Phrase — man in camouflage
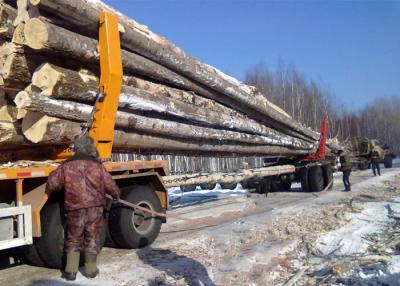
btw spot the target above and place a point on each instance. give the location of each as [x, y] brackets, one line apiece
[374, 158]
[345, 167]
[85, 182]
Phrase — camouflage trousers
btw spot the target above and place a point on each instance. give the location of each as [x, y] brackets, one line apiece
[84, 230]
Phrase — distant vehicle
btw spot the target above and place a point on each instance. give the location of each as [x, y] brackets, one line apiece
[361, 148]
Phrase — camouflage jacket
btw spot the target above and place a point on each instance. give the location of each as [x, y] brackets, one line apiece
[345, 163]
[85, 182]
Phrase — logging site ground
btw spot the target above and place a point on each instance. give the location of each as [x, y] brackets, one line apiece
[288, 238]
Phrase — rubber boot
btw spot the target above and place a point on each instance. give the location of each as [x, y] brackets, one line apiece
[91, 270]
[72, 265]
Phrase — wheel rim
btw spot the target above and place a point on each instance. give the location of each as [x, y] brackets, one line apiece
[143, 221]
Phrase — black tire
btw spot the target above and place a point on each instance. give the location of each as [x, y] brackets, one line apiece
[304, 179]
[363, 166]
[188, 188]
[210, 186]
[125, 231]
[388, 162]
[328, 176]
[248, 184]
[229, 186]
[31, 255]
[316, 179]
[264, 186]
[282, 183]
[50, 246]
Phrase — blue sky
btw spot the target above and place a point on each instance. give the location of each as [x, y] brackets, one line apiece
[352, 46]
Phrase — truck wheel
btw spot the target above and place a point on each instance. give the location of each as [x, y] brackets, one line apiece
[229, 186]
[264, 186]
[210, 186]
[248, 184]
[283, 183]
[286, 184]
[304, 179]
[188, 188]
[31, 254]
[328, 176]
[131, 229]
[50, 246]
[316, 179]
[388, 162]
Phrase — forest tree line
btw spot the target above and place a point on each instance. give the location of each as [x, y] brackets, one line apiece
[308, 102]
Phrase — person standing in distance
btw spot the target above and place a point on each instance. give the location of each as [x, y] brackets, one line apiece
[345, 167]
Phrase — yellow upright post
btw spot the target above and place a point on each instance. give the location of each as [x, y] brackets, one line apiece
[102, 129]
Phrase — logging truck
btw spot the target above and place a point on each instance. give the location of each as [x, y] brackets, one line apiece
[361, 148]
[32, 218]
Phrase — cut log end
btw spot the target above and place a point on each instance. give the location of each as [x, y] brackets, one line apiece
[22, 99]
[39, 128]
[34, 2]
[45, 79]
[36, 34]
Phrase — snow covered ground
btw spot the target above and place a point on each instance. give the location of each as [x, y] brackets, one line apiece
[269, 241]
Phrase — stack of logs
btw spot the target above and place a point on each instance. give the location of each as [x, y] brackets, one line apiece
[170, 102]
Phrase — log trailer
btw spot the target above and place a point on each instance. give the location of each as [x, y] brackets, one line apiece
[31, 218]
[314, 172]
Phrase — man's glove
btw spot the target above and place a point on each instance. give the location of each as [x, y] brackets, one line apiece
[115, 199]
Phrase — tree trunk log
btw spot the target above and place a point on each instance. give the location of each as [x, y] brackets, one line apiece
[58, 82]
[81, 112]
[49, 130]
[45, 36]
[40, 128]
[7, 17]
[8, 113]
[234, 177]
[85, 14]
[9, 134]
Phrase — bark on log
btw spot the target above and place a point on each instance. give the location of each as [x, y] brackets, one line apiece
[40, 128]
[7, 17]
[47, 37]
[57, 131]
[85, 14]
[81, 112]
[234, 177]
[58, 82]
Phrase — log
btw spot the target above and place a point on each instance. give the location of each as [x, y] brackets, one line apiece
[7, 17]
[40, 128]
[54, 131]
[9, 134]
[25, 11]
[58, 82]
[85, 14]
[81, 112]
[47, 37]
[234, 177]
[8, 113]
[18, 36]
[17, 68]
